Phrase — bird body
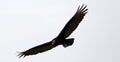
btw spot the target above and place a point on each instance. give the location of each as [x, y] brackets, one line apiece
[63, 41]
[61, 38]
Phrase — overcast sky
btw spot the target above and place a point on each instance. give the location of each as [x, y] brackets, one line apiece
[27, 23]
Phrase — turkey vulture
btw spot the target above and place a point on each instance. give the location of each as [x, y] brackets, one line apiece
[61, 38]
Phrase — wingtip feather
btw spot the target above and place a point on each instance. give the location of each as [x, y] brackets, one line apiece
[21, 54]
[82, 9]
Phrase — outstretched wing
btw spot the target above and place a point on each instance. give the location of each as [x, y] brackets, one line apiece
[38, 49]
[74, 22]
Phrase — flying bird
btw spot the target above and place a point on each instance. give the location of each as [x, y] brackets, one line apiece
[61, 38]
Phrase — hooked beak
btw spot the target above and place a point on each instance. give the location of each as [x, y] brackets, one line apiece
[53, 42]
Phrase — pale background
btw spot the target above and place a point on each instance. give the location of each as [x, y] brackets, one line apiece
[27, 23]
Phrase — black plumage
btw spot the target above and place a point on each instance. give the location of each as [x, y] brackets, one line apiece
[61, 38]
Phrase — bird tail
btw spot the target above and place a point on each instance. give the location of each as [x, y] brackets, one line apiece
[68, 42]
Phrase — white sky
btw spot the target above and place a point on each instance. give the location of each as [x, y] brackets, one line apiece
[27, 23]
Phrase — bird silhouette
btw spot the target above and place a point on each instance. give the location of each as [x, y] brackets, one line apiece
[61, 38]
